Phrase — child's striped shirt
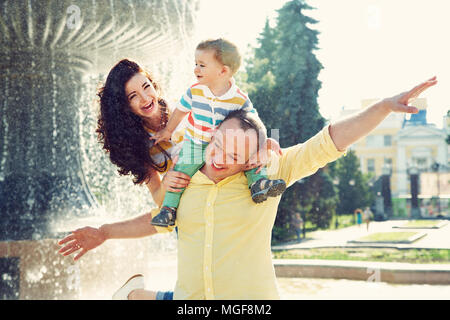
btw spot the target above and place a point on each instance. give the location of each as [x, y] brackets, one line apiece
[208, 111]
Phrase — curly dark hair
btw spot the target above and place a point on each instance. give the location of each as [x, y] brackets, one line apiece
[122, 132]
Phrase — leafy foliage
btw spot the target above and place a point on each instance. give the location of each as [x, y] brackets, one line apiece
[282, 82]
[353, 185]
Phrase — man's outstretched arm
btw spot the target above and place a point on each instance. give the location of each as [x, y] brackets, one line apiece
[347, 131]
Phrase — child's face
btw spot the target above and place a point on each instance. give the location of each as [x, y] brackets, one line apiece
[207, 69]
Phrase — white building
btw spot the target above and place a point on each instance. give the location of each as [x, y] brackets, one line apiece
[402, 142]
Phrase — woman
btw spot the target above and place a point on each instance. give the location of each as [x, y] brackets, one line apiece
[358, 213]
[132, 110]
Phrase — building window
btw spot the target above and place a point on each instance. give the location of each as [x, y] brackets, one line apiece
[371, 165]
[371, 141]
[420, 163]
[388, 162]
[387, 140]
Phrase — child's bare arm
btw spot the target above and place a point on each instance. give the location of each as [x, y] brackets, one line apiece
[166, 133]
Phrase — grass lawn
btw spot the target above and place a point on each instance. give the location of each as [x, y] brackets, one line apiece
[422, 223]
[344, 221]
[388, 236]
[368, 254]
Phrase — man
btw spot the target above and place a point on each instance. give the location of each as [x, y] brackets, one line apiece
[367, 216]
[297, 222]
[223, 237]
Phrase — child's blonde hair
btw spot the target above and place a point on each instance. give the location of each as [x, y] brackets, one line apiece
[225, 52]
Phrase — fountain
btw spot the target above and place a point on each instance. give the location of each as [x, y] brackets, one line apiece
[49, 49]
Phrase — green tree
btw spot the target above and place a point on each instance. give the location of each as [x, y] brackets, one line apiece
[268, 46]
[448, 136]
[296, 69]
[353, 185]
[282, 82]
[324, 200]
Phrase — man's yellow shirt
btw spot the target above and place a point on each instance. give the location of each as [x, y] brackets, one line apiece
[224, 238]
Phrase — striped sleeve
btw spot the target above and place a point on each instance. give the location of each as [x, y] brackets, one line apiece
[248, 106]
[185, 103]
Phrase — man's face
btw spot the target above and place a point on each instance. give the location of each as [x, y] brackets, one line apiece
[229, 150]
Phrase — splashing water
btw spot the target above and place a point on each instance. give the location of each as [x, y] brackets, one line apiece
[54, 175]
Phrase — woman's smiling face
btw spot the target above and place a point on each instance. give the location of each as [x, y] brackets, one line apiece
[142, 96]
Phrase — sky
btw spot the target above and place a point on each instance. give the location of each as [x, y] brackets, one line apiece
[368, 48]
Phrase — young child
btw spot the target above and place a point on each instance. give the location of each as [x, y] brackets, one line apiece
[208, 102]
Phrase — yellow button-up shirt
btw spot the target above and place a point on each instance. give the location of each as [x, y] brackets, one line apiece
[224, 238]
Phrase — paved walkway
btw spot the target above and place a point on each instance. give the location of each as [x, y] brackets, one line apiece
[392, 272]
[344, 289]
[435, 238]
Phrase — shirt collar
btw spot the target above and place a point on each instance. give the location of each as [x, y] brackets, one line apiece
[200, 178]
[227, 95]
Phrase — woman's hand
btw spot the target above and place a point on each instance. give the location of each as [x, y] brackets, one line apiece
[174, 181]
[84, 239]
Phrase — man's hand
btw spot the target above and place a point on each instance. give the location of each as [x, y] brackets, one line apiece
[83, 239]
[399, 103]
[349, 130]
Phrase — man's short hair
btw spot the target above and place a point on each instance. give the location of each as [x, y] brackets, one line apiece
[225, 52]
[249, 120]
